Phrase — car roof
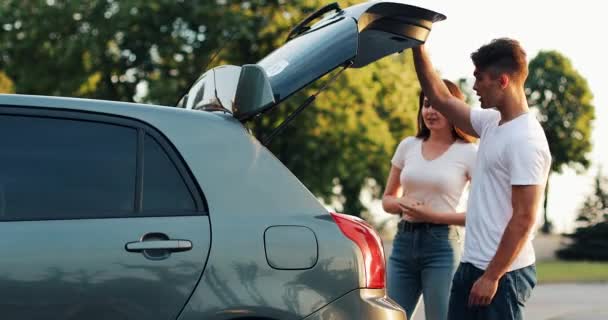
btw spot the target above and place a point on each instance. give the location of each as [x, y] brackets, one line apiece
[155, 115]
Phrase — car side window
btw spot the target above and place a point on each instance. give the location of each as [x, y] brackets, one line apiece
[164, 190]
[55, 168]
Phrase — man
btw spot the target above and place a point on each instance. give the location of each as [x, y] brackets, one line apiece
[497, 272]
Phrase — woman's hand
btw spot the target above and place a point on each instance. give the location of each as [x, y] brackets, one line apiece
[406, 200]
[408, 218]
[409, 201]
[416, 211]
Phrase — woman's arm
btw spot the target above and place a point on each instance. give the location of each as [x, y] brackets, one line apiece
[423, 213]
[452, 218]
[392, 192]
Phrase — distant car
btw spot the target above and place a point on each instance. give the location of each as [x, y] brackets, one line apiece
[114, 210]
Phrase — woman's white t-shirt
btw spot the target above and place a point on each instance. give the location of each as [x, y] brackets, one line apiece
[440, 182]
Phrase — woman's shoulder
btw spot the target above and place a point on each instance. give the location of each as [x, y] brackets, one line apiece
[467, 147]
[406, 144]
[410, 140]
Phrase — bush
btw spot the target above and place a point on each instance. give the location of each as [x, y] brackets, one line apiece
[588, 243]
[590, 240]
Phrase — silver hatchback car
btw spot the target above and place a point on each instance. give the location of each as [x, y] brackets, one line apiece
[114, 210]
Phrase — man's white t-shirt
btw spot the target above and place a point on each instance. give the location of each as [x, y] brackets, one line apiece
[438, 183]
[514, 153]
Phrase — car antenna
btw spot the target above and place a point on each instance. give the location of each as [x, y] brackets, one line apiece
[306, 103]
[215, 54]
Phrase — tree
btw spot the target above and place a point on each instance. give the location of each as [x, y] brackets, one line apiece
[152, 51]
[595, 208]
[466, 87]
[563, 100]
[590, 240]
[107, 48]
[343, 142]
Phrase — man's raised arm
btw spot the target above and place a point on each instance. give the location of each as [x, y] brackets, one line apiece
[438, 94]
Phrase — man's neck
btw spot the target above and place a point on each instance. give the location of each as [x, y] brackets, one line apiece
[515, 104]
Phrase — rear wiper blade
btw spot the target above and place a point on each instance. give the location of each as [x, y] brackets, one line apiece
[303, 26]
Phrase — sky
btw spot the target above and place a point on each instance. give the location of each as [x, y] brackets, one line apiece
[574, 28]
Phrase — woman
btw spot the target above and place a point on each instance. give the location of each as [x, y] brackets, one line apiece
[428, 175]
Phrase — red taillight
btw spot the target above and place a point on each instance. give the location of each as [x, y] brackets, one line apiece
[368, 241]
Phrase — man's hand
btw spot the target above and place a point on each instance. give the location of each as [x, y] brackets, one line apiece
[483, 291]
[525, 200]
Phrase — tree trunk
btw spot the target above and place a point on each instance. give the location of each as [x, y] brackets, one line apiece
[352, 204]
[547, 225]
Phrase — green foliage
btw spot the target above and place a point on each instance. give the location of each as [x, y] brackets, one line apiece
[588, 243]
[349, 135]
[590, 240]
[152, 51]
[466, 86]
[344, 141]
[6, 84]
[563, 100]
[595, 208]
[106, 48]
[561, 271]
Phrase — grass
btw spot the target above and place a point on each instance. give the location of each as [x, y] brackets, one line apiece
[566, 271]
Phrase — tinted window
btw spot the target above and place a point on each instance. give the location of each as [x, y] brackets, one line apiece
[58, 168]
[165, 191]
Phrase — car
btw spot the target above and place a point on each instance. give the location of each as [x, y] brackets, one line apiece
[112, 210]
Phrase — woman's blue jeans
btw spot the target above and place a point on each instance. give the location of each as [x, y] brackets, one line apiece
[423, 262]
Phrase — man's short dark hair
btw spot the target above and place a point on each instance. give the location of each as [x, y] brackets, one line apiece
[502, 55]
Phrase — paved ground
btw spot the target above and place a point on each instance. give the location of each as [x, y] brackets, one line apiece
[563, 302]
[555, 301]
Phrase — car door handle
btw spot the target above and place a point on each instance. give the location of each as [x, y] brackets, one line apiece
[170, 245]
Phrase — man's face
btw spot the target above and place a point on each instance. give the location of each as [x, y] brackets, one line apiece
[487, 88]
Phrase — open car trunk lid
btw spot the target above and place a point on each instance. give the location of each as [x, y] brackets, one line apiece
[353, 37]
[360, 34]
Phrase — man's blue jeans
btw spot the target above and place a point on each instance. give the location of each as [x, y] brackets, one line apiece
[423, 262]
[514, 289]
